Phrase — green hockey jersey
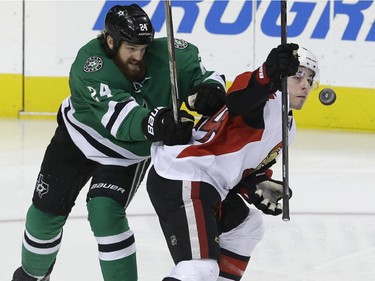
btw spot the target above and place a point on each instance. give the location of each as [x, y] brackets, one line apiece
[104, 112]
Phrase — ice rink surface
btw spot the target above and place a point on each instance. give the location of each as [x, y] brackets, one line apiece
[330, 237]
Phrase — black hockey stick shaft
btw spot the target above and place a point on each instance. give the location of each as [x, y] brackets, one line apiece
[285, 123]
[172, 60]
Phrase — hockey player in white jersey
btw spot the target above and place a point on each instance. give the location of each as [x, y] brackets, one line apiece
[196, 189]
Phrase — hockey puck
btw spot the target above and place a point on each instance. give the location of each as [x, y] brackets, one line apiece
[327, 96]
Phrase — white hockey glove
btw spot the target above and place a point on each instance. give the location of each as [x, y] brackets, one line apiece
[262, 191]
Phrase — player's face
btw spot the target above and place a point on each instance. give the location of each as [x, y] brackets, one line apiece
[129, 58]
[132, 56]
[299, 87]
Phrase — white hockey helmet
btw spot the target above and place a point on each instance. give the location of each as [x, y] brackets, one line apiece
[308, 59]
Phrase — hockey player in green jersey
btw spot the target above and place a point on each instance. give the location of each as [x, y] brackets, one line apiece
[120, 101]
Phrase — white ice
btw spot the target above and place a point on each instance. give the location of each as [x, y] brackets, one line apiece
[330, 237]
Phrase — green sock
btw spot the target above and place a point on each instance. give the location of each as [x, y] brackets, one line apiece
[42, 241]
[115, 240]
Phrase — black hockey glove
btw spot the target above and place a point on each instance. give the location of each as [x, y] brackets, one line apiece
[281, 61]
[206, 99]
[159, 125]
[263, 192]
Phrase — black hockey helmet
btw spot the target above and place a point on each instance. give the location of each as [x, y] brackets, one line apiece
[130, 24]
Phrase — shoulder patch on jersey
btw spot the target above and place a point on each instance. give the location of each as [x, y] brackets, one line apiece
[93, 64]
[180, 44]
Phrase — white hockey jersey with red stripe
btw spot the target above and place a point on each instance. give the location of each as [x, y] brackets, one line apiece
[224, 147]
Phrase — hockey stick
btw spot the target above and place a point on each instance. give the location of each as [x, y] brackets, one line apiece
[285, 125]
[172, 61]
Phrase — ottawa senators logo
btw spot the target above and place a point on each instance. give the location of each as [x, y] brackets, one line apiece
[271, 156]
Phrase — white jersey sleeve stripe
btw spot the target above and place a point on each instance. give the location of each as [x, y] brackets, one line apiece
[192, 223]
[121, 116]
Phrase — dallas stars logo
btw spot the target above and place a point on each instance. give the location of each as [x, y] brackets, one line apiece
[180, 44]
[121, 13]
[93, 64]
[41, 187]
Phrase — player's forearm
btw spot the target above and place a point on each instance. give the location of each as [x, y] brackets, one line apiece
[246, 96]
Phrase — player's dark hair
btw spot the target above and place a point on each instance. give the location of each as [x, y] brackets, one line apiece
[102, 37]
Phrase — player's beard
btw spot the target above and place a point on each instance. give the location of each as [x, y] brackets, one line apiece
[132, 74]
